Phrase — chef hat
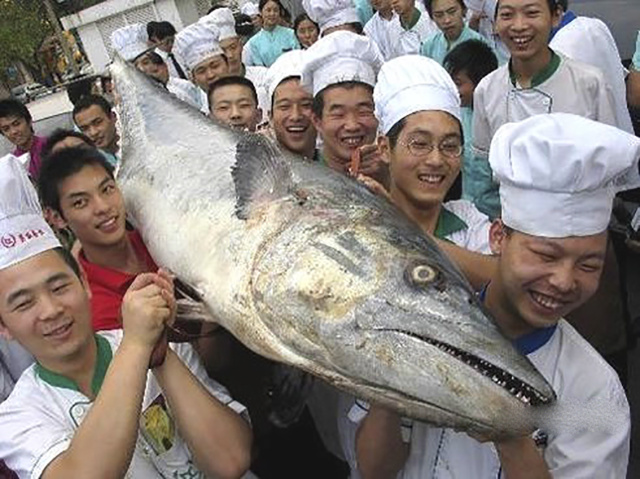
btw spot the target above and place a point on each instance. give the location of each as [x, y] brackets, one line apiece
[131, 41]
[286, 66]
[222, 20]
[331, 13]
[413, 83]
[23, 231]
[559, 173]
[197, 43]
[250, 9]
[340, 57]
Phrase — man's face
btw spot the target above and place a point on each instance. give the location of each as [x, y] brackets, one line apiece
[210, 70]
[232, 48]
[465, 88]
[381, 5]
[421, 178]
[235, 106]
[347, 121]
[99, 126]
[524, 27]
[17, 130]
[166, 44]
[45, 307]
[291, 117]
[92, 206]
[158, 71]
[545, 279]
[403, 7]
[449, 16]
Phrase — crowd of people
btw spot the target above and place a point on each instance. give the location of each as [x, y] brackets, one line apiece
[501, 128]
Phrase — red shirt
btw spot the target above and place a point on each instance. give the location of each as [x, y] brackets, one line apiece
[108, 285]
[36, 161]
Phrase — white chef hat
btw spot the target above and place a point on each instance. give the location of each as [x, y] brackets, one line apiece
[250, 9]
[23, 231]
[221, 19]
[331, 13]
[197, 43]
[130, 41]
[340, 57]
[559, 173]
[287, 65]
[413, 83]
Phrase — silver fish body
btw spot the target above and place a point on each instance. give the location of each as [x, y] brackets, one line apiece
[307, 267]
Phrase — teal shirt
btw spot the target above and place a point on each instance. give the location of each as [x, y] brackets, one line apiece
[365, 12]
[266, 47]
[436, 46]
[636, 56]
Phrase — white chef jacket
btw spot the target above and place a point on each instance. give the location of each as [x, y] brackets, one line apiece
[410, 41]
[258, 76]
[384, 33]
[172, 68]
[589, 40]
[185, 91]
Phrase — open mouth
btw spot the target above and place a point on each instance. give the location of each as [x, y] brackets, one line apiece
[108, 226]
[431, 179]
[353, 141]
[58, 331]
[521, 42]
[517, 388]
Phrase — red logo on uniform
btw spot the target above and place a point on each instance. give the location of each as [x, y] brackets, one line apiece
[9, 240]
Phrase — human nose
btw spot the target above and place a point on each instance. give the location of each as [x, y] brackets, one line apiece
[50, 307]
[563, 278]
[235, 111]
[519, 22]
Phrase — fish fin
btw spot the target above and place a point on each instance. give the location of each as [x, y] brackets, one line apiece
[260, 174]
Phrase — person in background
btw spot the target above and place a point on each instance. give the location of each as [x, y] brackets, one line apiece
[415, 27]
[291, 106]
[449, 16]
[382, 28]
[94, 116]
[264, 48]
[198, 47]
[16, 125]
[251, 10]
[307, 31]
[162, 35]
[468, 63]
[233, 101]
[482, 19]
[333, 15]
[61, 139]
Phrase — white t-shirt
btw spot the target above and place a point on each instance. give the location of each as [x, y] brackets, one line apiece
[14, 359]
[580, 377]
[40, 417]
[384, 33]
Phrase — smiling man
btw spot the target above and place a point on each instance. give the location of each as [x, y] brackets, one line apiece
[94, 117]
[16, 126]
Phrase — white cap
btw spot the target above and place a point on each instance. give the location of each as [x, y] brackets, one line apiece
[131, 41]
[250, 9]
[413, 83]
[23, 231]
[340, 57]
[196, 43]
[331, 13]
[286, 66]
[559, 173]
[222, 20]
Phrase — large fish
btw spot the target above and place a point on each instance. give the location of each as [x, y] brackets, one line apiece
[307, 267]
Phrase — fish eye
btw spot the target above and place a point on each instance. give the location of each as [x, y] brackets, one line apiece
[423, 274]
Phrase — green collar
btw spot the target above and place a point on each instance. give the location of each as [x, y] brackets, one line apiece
[414, 19]
[543, 75]
[102, 364]
[448, 223]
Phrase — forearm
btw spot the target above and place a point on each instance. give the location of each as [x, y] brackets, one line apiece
[104, 443]
[633, 89]
[218, 438]
[520, 459]
[380, 451]
[478, 268]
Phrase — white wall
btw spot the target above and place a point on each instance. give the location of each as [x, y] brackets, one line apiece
[94, 46]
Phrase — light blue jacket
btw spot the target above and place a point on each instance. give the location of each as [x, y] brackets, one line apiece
[266, 46]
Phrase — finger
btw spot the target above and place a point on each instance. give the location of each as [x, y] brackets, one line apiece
[141, 281]
[368, 149]
[163, 283]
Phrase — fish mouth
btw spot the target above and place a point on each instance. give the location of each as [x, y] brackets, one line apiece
[517, 388]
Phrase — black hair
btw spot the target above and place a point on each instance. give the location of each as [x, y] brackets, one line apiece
[12, 107]
[473, 57]
[244, 25]
[564, 4]
[318, 100]
[301, 18]
[155, 58]
[214, 8]
[88, 101]
[234, 80]
[60, 134]
[552, 4]
[160, 30]
[428, 4]
[264, 2]
[61, 165]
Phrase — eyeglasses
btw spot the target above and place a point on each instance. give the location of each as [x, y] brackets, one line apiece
[421, 148]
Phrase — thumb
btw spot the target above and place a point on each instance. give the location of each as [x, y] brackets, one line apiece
[141, 281]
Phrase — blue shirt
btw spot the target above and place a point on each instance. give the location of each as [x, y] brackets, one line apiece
[266, 46]
[437, 46]
[636, 55]
[365, 12]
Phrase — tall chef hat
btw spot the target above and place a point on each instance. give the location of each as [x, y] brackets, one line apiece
[250, 9]
[23, 231]
[331, 13]
[340, 57]
[286, 66]
[131, 41]
[559, 173]
[413, 83]
[197, 43]
[222, 20]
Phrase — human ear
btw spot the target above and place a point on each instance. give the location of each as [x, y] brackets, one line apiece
[497, 237]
